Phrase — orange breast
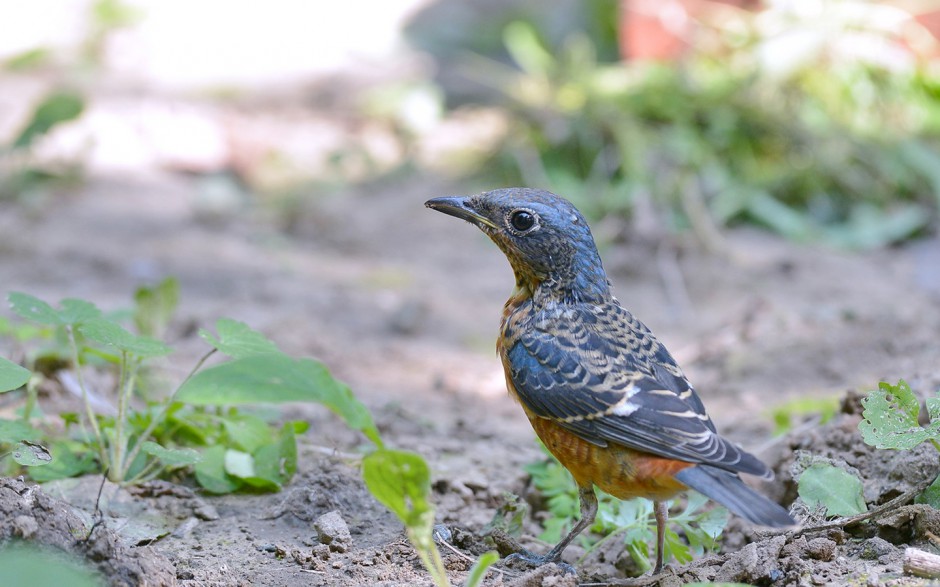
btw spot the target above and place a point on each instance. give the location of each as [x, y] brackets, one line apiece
[622, 472]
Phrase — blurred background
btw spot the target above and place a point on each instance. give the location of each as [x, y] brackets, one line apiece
[816, 119]
[753, 169]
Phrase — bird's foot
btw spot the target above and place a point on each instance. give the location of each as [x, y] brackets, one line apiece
[537, 560]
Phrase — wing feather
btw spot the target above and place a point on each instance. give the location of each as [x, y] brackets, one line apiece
[601, 374]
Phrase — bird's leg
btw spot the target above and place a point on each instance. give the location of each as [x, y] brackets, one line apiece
[588, 513]
[661, 511]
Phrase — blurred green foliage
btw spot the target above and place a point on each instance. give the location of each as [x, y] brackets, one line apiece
[770, 121]
[21, 172]
[200, 426]
[54, 109]
[820, 409]
[24, 565]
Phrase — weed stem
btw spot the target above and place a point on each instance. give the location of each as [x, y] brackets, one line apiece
[166, 408]
[89, 412]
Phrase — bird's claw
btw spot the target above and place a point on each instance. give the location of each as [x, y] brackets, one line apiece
[536, 560]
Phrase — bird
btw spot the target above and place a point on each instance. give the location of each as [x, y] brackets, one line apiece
[602, 393]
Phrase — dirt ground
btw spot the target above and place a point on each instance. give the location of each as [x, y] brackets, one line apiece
[403, 304]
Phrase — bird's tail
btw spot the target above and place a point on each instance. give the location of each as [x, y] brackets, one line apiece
[727, 489]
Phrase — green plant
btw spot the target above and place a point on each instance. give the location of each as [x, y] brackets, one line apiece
[631, 520]
[841, 150]
[197, 427]
[890, 420]
[235, 448]
[840, 492]
[823, 407]
[401, 481]
[20, 173]
[891, 417]
[23, 565]
[12, 376]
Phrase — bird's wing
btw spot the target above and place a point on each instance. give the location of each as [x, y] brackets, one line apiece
[602, 374]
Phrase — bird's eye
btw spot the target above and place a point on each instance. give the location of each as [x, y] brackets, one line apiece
[522, 220]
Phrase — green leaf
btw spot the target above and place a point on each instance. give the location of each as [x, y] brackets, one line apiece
[24, 565]
[239, 464]
[712, 523]
[56, 108]
[30, 454]
[675, 547]
[277, 378]
[237, 340]
[33, 309]
[287, 453]
[890, 418]
[155, 307]
[931, 495]
[27, 60]
[210, 472]
[824, 407]
[171, 457]
[523, 44]
[299, 426]
[247, 432]
[77, 311]
[401, 482]
[479, 568]
[267, 468]
[839, 491]
[24, 332]
[256, 472]
[510, 516]
[17, 430]
[65, 463]
[12, 376]
[870, 226]
[106, 332]
[778, 216]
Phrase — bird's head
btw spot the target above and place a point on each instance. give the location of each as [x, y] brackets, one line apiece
[546, 239]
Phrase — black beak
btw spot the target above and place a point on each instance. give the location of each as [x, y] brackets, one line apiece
[458, 207]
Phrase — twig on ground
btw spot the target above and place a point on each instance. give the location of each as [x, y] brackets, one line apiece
[96, 516]
[921, 564]
[473, 560]
[875, 513]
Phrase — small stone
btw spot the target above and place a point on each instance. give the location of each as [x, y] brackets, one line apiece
[321, 551]
[206, 512]
[185, 528]
[25, 526]
[756, 562]
[821, 549]
[332, 530]
[875, 548]
[550, 575]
